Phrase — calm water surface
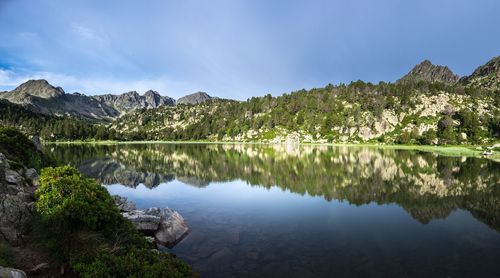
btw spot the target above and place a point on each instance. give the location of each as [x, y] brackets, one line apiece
[261, 211]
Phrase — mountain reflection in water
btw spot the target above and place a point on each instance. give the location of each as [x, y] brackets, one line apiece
[426, 185]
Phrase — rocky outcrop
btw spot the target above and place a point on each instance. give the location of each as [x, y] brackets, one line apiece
[195, 98]
[167, 225]
[17, 202]
[426, 71]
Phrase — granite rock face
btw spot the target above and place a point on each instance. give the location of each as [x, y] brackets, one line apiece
[17, 201]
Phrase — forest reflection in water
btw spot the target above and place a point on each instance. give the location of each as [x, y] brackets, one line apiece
[428, 186]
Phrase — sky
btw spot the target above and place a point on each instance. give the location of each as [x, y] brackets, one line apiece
[237, 49]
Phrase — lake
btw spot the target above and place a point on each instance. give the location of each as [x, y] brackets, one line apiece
[312, 211]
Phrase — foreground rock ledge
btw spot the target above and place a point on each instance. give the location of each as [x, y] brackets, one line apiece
[167, 226]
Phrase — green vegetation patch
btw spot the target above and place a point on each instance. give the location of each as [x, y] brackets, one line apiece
[18, 148]
[82, 226]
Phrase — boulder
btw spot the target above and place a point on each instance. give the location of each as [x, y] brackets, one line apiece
[6, 272]
[13, 177]
[167, 226]
[462, 136]
[172, 229]
[143, 222]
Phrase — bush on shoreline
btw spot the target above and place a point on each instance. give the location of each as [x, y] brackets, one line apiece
[81, 224]
[16, 146]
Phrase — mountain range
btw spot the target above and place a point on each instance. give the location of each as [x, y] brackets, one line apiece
[40, 96]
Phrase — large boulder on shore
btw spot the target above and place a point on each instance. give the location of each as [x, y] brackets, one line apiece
[167, 225]
[172, 229]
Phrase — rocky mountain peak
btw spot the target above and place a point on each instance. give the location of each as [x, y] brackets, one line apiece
[426, 71]
[492, 67]
[151, 93]
[38, 88]
[486, 76]
[195, 98]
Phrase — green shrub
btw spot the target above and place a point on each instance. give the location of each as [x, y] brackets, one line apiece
[428, 137]
[135, 262]
[82, 226]
[404, 138]
[18, 148]
[71, 202]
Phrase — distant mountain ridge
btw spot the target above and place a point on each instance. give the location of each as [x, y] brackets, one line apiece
[42, 97]
[129, 101]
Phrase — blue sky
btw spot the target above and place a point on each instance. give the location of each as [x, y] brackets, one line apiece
[237, 49]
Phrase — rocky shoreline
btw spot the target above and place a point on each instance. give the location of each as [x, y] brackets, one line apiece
[163, 227]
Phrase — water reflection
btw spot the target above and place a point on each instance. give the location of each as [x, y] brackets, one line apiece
[426, 185]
